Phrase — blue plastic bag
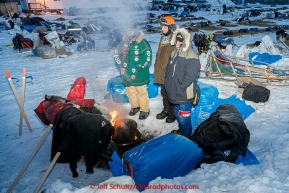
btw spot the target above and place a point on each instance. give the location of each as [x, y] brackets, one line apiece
[209, 102]
[117, 89]
[249, 159]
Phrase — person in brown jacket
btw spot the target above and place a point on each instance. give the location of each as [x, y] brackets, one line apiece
[164, 51]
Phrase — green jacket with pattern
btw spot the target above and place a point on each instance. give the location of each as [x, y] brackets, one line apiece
[133, 58]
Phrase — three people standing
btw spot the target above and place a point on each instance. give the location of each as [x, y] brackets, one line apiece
[177, 68]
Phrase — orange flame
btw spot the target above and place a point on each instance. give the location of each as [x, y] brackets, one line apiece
[113, 115]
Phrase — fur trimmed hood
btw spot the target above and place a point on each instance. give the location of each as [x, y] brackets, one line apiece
[187, 43]
[138, 39]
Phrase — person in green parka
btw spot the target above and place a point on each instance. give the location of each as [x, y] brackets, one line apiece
[133, 56]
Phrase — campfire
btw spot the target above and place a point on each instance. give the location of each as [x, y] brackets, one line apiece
[126, 135]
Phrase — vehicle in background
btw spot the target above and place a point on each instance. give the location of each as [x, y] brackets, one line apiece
[202, 4]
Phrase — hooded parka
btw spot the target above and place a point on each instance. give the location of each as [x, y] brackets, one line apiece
[182, 70]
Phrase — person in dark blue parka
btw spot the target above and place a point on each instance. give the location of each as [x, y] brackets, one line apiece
[181, 79]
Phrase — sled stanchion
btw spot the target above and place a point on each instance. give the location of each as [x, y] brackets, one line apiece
[248, 69]
[233, 70]
[22, 100]
[266, 75]
[17, 98]
[218, 66]
[47, 172]
[29, 159]
[210, 69]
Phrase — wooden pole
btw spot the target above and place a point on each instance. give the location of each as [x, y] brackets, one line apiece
[248, 69]
[214, 58]
[22, 101]
[266, 75]
[29, 159]
[233, 70]
[17, 99]
[210, 70]
[7, 10]
[47, 172]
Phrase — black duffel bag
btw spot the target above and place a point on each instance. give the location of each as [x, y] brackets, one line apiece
[256, 93]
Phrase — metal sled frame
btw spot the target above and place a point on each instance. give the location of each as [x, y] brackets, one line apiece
[230, 68]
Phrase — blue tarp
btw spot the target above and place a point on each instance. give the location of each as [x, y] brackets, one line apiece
[48, 24]
[117, 89]
[29, 28]
[173, 10]
[223, 40]
[167, 156]
[184, 14]
[261, 59]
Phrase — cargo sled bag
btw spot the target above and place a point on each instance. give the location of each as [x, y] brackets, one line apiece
[20, 42]
[77, 90]
[167, 156]
[256, 93]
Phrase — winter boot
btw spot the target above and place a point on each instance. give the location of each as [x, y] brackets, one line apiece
[143, 115]
[133, 111]
[171, 118]
[163, 114]
[89, 170]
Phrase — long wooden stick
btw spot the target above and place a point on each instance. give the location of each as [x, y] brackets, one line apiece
[47, 172]
[22, 101]
[17, 98]
[217, 66]
[29, 159]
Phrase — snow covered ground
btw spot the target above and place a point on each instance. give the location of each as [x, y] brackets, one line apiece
[268, 125]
